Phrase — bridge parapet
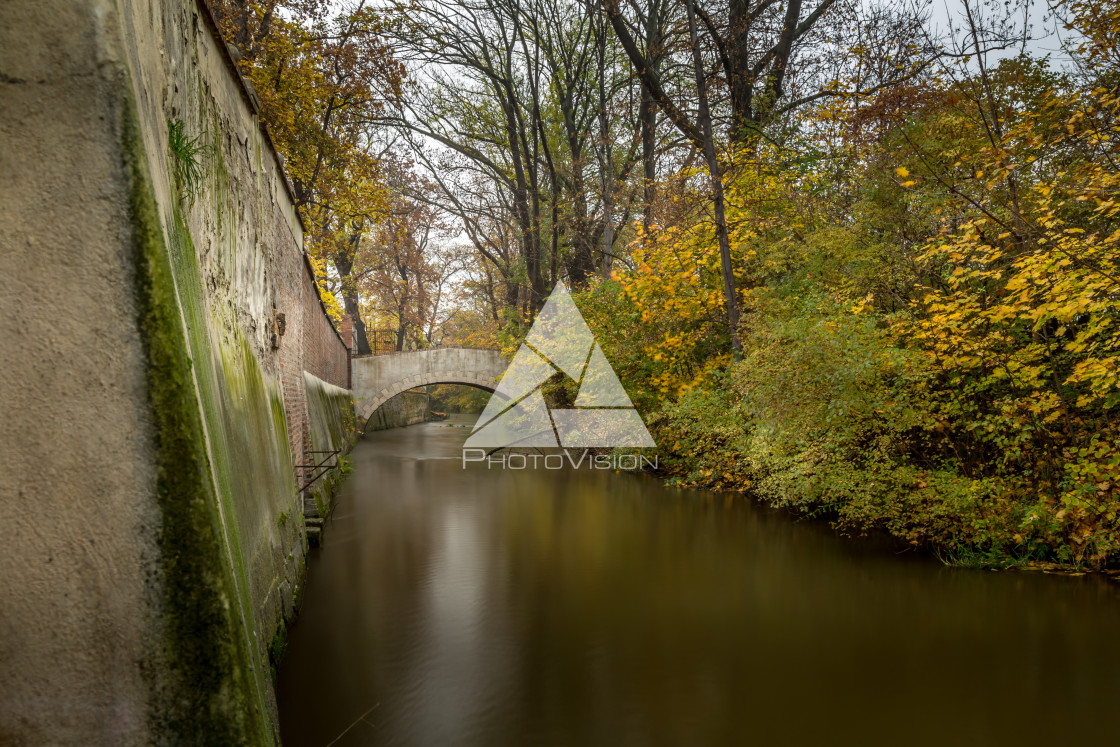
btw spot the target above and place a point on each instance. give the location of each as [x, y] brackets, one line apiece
[377, 378]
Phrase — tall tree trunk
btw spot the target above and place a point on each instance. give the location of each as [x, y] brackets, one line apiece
[553, 180]
[581, 266]
[536, 264]
[739, 77]
[344, 263]
[402, 328]
[554, 255]
[522, 198]
[705, 121]
[606, 164]
[647, 115]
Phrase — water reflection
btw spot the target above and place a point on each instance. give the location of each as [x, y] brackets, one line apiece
[486, 607]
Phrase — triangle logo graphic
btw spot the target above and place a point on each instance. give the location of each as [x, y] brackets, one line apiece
[516, 414]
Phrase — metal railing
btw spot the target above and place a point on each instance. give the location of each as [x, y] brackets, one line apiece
[382, 341]
[317, 470]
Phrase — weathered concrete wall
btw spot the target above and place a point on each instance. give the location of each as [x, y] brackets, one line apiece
[151, 423]
[80, 444]
[406, 408]
[331, 415]
[332, 428]
[377, 378]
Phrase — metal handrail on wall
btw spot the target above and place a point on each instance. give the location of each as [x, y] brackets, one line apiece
[320, 469]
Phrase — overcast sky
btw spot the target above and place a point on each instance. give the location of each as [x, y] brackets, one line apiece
[1047, 35]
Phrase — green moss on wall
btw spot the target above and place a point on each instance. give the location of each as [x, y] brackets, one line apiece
[231, 533]
[201, 680]
[330, 411]
[254, 443]
[248, 446]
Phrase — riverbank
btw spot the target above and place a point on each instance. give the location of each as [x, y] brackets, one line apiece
[711, 438]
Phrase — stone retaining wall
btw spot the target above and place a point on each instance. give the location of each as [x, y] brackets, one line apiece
[153, 415]
[406, 408]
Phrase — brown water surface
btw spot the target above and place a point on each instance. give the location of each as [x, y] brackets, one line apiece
[484, 607]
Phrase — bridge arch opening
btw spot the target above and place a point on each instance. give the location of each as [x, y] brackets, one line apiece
[367, 407]
[415, 404]
[379, 378]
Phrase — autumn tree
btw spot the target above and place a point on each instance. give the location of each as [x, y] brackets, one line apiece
[414, 262]
[756, 49]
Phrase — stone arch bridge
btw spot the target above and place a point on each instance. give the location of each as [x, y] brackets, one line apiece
[377, 378]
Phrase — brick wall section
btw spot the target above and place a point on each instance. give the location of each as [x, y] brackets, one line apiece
[324, 353]
[347, 331]
[310, 343]
[289, 301]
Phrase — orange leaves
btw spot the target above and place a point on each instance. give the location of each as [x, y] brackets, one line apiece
[674, 285]
[1021, 317]
[321, 74]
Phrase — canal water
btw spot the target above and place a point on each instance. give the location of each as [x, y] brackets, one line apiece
[453, 606]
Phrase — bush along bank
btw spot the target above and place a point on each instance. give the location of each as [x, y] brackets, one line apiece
[931, 314]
